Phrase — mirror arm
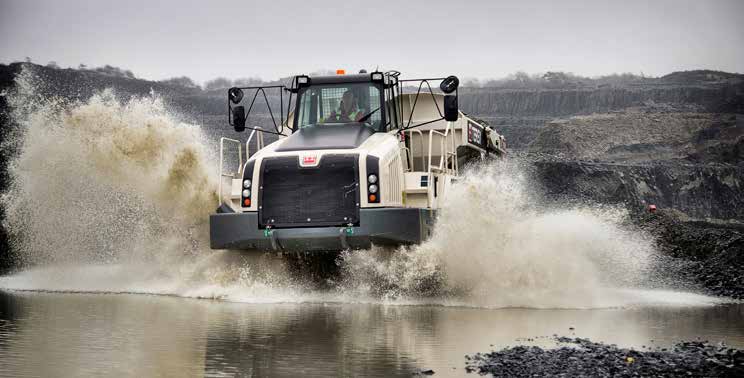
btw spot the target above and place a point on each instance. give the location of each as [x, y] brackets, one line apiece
[421, 124]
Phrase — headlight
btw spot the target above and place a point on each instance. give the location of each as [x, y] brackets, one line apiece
[372, 178]
[246, 184]
[247, 193]
[373, 188]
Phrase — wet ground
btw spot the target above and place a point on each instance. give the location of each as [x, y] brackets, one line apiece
[64, 335]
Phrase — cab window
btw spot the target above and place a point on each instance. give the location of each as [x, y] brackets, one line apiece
[339, 104]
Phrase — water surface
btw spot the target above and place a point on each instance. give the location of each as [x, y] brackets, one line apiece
[65, 335]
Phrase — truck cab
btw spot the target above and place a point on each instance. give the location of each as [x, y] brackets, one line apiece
[357, 162]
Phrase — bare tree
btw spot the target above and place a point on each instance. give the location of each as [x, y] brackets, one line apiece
[218, 83]
[182, 81]
[522, 79]
[115, 71]
[248, 82]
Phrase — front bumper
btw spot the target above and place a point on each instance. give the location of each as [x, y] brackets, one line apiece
[380, 226]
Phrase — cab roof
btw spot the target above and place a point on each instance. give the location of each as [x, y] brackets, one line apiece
[341, 79]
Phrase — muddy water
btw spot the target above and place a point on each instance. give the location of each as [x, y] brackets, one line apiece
[66, 335]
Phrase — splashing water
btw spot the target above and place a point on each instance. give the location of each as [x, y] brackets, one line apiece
[103, 179]
[113, 196]
[495, 245]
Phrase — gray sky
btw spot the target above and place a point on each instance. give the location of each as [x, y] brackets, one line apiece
[483, 39]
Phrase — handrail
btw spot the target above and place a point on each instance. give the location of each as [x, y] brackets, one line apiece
[446, 156]
[440, 166]
[410, 137]
[448, 152]
[453, 152]
[259, 141]
[451, 136]
[231, 174]
[447, 136]
[408, 158]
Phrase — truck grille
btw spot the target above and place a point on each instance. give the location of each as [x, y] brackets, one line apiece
[294, 196]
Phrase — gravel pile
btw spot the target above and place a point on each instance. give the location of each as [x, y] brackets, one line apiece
[710, 255]
[582, 357]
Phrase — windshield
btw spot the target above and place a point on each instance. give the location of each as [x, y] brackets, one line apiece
[340, 103]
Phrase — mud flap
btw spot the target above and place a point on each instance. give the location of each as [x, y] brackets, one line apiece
[275, 245]
[344, 242]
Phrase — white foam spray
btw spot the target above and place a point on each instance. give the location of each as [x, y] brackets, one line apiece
[114, 196]
[497, 245]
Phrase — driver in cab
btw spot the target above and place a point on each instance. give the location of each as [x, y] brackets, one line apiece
[347, 112]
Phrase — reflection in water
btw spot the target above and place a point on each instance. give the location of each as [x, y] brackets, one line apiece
[96, 336]
[141, 335]
[310, 339]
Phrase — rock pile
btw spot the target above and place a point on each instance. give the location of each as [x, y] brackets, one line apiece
[582, 357]
[709, 254]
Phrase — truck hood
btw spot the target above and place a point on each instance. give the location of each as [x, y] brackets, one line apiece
[332, 136]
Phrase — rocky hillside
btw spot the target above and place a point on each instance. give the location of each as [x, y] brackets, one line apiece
[700, 191]
[689, 161]
[520, 113]
[637, 135]
[722, 95]
[74, 84]
[676, 141]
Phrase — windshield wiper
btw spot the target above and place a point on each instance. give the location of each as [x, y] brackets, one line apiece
[366, 116]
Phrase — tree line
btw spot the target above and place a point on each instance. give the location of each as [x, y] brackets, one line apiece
[517, 80]
[557, 80]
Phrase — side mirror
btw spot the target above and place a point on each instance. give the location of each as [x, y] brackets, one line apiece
[451, 112]
[238, 118]
[449, 84]
[235, 94]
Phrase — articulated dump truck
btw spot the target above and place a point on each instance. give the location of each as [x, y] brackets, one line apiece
[359, 160]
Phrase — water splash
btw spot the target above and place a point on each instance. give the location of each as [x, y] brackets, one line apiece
[111, 195]
[496, 245]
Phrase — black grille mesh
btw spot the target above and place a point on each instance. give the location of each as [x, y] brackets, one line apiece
[294, 196]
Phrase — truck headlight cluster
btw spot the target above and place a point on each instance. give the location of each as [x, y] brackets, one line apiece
[245, 195]
[372, 189]
[373, 179]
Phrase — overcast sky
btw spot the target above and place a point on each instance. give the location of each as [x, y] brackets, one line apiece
[274, 38]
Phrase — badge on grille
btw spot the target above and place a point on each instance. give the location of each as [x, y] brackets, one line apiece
[309, 161]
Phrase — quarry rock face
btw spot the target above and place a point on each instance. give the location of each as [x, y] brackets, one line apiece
[693, 162]
[700, 191]
[707, 254]
[642, 135]
[716, 97]
[670, 147]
